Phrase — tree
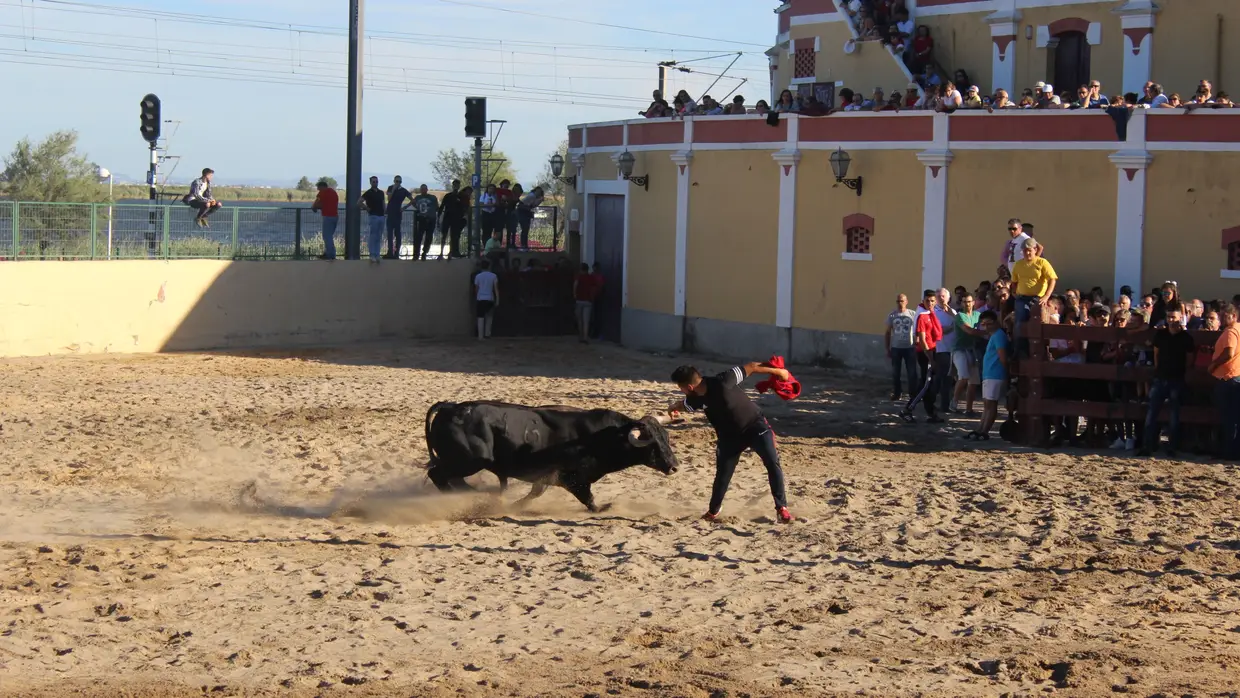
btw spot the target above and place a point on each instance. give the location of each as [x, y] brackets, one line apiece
[459, 164]
[304, 184]
[554, 187]
[53, 170]
[331, 181]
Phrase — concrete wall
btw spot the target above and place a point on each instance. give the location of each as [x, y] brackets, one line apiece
[146, 306]
[733, 236]
[1195, 23]
[962, 42]
[1069, 196]
[1183, 226]
[652, 235]
[830, 292]
[868, 67]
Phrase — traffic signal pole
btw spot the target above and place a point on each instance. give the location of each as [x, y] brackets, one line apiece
[477, 217]
[353, 174]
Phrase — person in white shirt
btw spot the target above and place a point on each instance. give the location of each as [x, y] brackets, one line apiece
[952, 99]
[1158, 100]
[943, 351]
[1013, 249]
[486, 298]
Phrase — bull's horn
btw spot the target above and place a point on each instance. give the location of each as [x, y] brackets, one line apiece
[662, 418]
[635, 438]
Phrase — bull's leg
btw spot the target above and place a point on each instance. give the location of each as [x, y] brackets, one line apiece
[583, 494]
[448, 478]
[536, 492]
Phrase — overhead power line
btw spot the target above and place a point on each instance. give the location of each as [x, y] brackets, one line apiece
[509, 10]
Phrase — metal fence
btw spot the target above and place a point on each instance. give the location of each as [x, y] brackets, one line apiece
[56, 231]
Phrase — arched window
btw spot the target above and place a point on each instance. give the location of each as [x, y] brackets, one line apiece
[858, 230]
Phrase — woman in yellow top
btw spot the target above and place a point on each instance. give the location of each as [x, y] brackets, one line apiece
[1033, 281]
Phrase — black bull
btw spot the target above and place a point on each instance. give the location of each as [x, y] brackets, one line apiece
[546, 446]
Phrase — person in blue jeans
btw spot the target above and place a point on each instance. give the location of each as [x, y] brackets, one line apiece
[1225, 367]
[373, 201]
[898, 340]
[327, 203]
[1173, 349]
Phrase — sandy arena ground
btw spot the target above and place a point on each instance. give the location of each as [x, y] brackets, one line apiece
[134, 559]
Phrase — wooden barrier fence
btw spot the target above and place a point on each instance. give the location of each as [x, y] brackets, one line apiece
[1034, 406]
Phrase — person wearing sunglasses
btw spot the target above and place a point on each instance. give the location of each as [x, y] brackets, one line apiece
[1013, 249]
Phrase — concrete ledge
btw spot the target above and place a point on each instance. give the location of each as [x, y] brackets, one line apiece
[648, 331]
[735, 340]
[851, 348]
[144, 306]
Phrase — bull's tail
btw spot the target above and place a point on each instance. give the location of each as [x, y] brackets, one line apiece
[430, 417]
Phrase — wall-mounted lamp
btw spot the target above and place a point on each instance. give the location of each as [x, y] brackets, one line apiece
[557, 167]
[1028, 31]
[626, 163]
[839, 167]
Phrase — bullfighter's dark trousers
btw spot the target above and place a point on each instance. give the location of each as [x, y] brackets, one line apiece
[761, 440]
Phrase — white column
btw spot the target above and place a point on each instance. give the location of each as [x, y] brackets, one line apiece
[1137, 22]
[1003, 28]
[934, 210]
[579, 169]
[1132, 163]
[587, 217]
[683, 159]
[624, 293]
[788, 159]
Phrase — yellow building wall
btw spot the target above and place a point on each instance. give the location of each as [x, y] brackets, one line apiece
[854, 296]
[1188, 205]
[600, 166]
[962, 42]
[1069, 196]
[1106, 60]
[733, 231]
[652, 235]
[1195, 23]
[150, 306]
[869, 67]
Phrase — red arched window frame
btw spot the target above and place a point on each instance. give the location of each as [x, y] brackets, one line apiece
[858, 231]
[1231, 243]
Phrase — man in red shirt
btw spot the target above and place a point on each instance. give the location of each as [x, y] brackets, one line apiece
[928, 334]
[327, 202]
[584, 291]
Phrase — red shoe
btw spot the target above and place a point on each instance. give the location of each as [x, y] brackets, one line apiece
[785, 516]
[710, 516]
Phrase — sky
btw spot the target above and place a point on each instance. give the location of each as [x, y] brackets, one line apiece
[258, 88]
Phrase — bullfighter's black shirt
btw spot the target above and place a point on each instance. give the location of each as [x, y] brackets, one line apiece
[728, 409]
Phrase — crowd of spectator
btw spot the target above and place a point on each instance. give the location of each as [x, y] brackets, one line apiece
[955, 343]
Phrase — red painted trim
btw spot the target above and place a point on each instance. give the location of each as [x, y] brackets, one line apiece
[1230, 236]
[574, 137]
[858, 220]
[1068, 24]
[801, 8]
[1136, 35]
[606, 135]
[1131, 172]
[877, 128]
[1003, 42]
[803, 44]
[934, 170]
[1210, 127]
[738, 131]
[657, 132]
[1051, 127]
[785, 22]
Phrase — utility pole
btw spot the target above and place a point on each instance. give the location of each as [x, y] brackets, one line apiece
[477, 184]
[353, 174]
[663, 78]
